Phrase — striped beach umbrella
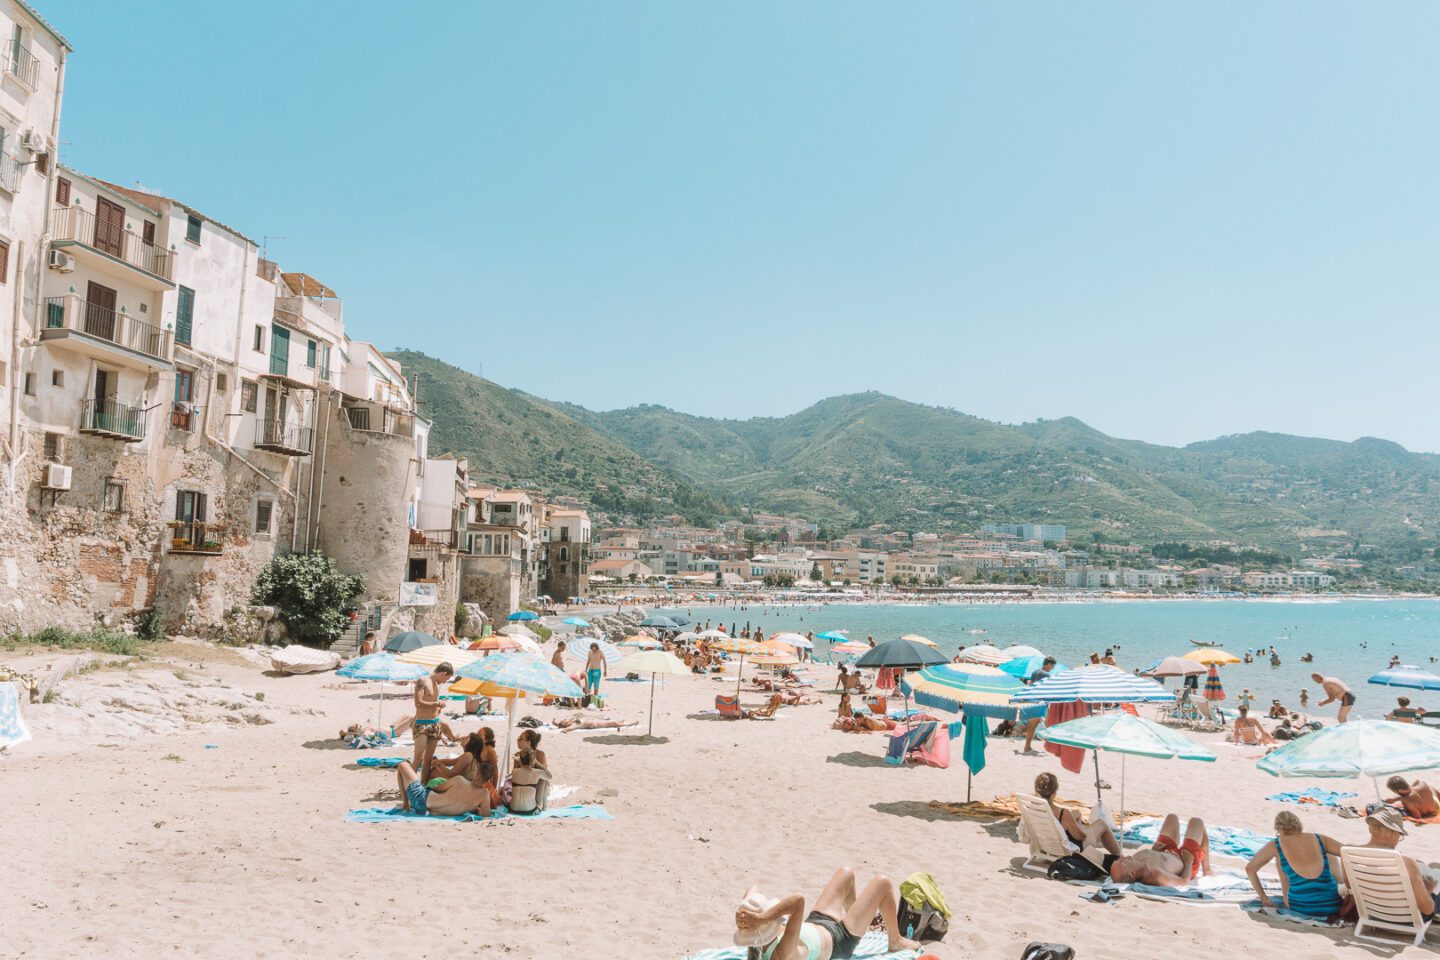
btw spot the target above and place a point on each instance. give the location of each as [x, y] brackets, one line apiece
[744, 648]
[383, 668]
[522, 674]
[436, 654]
[1213, 690]
[956, 686]
[1371, 748]
[985, 654]
[579, 648]
[1097, 683]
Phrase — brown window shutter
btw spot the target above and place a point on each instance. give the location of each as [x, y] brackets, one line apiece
[42, 162]
[4, 261]
[148, 233]
[62, 192]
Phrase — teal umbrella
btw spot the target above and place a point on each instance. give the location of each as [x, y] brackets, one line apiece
[1124, 733]
[834, 636]
[1370, 748]
[1022, 667]
[576, 621]
[522, 615]
[385, 668]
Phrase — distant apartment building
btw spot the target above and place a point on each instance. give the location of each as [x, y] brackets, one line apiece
[1042, 532]
[565, 553]
[1294, 580]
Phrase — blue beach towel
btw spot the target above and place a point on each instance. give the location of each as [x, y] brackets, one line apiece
[372, 741]
[387, 814]
[872, 947]
[1227, 841]
[1285, 913]
[386, 762]
[1319, 798]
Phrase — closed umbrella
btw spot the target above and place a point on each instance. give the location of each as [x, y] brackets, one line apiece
[1408, 676]
[653, 662]
[986, 654]
[410, 640]
[1210, 655]
[1124, 734]
[1213, 690]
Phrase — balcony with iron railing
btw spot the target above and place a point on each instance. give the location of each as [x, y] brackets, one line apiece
[197, 536]
[378, 418]
[113, 419]
[74, 226]
[433, 541]
[279, 436]
[10, 170]
[21, 64]
[104, 333]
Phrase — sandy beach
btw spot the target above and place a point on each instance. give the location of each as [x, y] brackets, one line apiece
[168, 809]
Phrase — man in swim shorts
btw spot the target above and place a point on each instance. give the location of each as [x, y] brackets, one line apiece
[1335, 689]
[1170, 862]
[594, 669]
[427, 729]
[450, 797]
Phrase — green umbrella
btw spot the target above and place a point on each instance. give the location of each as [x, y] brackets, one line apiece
[1124, 733]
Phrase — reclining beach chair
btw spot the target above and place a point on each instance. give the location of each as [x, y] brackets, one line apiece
[909, 741]
[1380, 885]
[1038, 827]
[728, 707]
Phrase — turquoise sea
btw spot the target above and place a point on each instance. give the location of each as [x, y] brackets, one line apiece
[1351, 639]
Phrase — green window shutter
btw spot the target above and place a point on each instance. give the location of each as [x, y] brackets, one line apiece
[184, 315]
[310, 354]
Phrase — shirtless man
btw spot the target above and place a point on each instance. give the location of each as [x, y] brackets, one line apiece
[454, 797]
[1335, 689]
[558, 660]
[427, 717]
[595, 668]
[1418, 799]
[1247, 729]
[1171, 862]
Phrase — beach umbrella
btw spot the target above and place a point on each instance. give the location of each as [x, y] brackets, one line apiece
[712, 635]
[409, 640]
[1022, 667]
[1097, 683]
[522, 673]
[438, 653]
[972, 750]
[663, 623]
[1371, 748]
[576, 621]
[1021, 650]
[1408, 676]
[986, 654]
[686, 637]
[1124, 733]
[792, 639]
[496, 642]
[641, 641]
[653, 662]
[902, 654]
[1173, 667]
[850, 646]
[579, 648]
[382, 668]
[1213, 690]
[522, 615]
[833, 636]
[916, 638]
[518, 630]
[955, 687]
[1210, 655]
[744, 648]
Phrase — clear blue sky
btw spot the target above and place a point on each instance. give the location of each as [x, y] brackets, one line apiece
[1173, 221]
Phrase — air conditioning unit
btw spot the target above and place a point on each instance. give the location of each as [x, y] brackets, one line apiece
[57, 476]
[34, 141]
[62, 261]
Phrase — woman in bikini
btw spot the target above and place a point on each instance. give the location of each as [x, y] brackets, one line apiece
[1096, 834]
[782, 930]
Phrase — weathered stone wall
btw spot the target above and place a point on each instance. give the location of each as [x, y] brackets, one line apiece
[493, 583]
[364, 497]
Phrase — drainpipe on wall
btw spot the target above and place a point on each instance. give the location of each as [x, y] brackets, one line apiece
[312, 533]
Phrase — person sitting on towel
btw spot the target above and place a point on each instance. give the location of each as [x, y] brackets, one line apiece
[1170, 862]
[1247, 730]
[782, 930]
[1303, 859]
[1097, 834]
[1417, 799]
[448, 797]
[478, 753]
[529, 784]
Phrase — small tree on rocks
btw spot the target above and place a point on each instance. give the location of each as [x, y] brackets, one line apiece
[310, 593]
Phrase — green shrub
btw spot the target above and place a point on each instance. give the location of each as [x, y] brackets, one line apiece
[460, 617]
[96, 638]
[311, 595]
[150, 627]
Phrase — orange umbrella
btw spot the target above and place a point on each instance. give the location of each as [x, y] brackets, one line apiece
[496, 641]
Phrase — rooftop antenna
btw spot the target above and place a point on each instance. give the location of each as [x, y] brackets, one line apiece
[265, 244]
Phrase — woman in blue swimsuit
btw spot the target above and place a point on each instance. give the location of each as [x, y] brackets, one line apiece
[775, 930]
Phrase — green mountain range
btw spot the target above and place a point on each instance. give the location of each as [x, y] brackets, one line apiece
[869, 458]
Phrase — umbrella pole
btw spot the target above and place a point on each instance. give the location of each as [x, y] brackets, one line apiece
[651, 725]
[738, 675]
[1097, 777]
[968, 777]
[509, 729]
[1121, 815]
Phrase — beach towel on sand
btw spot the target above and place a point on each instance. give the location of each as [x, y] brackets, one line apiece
[1320, 798]
[1225, 841]
[1225, 888]
[1285, 913]
[385, 762]
[872, 947]
[386, 814]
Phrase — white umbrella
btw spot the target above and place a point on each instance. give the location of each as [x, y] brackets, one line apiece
[652, 662]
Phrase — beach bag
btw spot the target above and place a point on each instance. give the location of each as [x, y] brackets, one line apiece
[1074, 867]
[1047, 951]
[923, 911]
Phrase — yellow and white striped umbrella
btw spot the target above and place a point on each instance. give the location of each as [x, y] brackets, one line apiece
[438, 653]
[916, 638]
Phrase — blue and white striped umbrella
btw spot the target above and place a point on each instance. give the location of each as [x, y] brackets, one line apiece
[1408, 676]
[579, 648]
[382, 666]
[521, 671]
[1097, 683]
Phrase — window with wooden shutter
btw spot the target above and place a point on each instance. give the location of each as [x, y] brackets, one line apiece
[310, 352]
[184, 315]
[4, 261]
[42, 163]
[62, 192]
[263, 510]
[147, 233]
[192, 228]
[248, 395]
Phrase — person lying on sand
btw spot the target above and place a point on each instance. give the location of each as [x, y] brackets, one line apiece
[1417, 799]
[1097, 834]
[860, 723]
[1170, 862]
[582, 722]
[782, 930]
[391, 731]
[449, 797]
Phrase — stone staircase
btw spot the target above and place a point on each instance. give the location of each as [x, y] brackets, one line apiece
[370, 618]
